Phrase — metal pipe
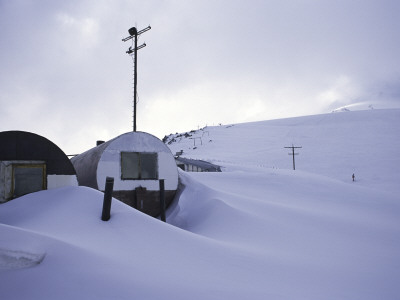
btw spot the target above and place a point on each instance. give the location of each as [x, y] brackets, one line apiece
[162, 200]
[135, 84]
[105, 215]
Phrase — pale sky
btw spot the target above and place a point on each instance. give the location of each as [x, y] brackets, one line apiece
[65, 74]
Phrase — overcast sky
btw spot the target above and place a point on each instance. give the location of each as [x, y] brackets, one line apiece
[65, 74]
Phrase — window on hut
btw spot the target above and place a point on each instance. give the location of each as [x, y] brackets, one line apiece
[139, 165]
[28, 178]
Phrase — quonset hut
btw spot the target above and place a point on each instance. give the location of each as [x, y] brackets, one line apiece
[30, 163]
[195, 165]
[137, 161]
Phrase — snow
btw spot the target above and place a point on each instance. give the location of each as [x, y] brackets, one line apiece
[335, 145]
[57, 181]
[10, 259]
[258, 230]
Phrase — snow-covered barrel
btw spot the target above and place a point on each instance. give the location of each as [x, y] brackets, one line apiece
[30, 163]
[137, 161]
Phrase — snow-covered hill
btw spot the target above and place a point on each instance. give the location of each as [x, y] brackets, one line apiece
[336, 145]
[258, 230]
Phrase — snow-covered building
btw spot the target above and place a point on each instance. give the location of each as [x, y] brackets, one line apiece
[136, 161]
[30, 163]
[195, 165]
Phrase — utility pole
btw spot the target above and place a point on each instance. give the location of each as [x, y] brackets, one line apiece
[293, 154]
[194, 140]
[133, 34]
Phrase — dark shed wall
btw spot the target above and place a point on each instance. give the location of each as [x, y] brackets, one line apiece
[22, 145]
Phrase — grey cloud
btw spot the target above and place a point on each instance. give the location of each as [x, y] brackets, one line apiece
[66, 61]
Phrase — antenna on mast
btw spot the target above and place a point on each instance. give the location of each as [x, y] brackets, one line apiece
[133, 34]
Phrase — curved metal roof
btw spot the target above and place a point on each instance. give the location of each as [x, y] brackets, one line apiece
[23, 145]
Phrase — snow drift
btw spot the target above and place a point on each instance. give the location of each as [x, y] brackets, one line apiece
[259, 230]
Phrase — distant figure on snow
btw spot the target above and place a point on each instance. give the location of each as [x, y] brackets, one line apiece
[353, 176]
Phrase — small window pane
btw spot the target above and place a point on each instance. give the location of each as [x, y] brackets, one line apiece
[148, 164]
[130, 165]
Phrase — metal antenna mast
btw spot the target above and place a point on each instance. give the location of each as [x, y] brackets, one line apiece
[133, 34]
[293, 154]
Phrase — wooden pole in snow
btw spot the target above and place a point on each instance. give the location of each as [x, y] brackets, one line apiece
[293, 154]
[162, 201]
[105, 215]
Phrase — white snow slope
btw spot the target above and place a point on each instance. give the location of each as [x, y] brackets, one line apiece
[258, 230]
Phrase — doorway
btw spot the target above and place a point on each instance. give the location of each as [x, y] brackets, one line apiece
[28, 178]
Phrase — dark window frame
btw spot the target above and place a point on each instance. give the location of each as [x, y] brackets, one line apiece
[27, 165]
[140, 160]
